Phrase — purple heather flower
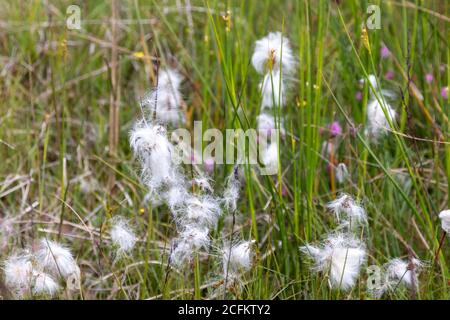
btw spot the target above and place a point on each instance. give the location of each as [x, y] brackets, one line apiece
[335, 129]
[358, 96]
[429, 77]
[384, 52]
[444, 92]
[389, 75]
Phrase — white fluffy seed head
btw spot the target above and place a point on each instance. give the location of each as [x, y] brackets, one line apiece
[270, 158]
[203, 182]
[175, 197]
[403, 271]
[272, 90]
[165, 100]
[191, 239]
[56, 259]
[154, 151]
[377, 121]
[345, 204]
[237, 258]
[341, 172]
[201, 210]
[122, 235]
[271, 52]
[231, 192]
[43, 284]
[342, 256]
[18, 273]
[445, 220]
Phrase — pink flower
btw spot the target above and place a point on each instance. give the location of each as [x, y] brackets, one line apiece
[389, 75]
[358, 96]
[335, 129]
[444, 92]
[384, 52]
[429, 77]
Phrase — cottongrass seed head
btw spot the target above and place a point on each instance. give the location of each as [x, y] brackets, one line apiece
[43, 284]
[237, 258]
[153, 149]
[445, 220]
[56, 259]
[201, 210]
[18, 270]
[271, 52]
[165, 100]
[191, 239]
[342, 256]
[377, 120]
[122, 236]
[231, 192]
[272, 90]
[345, 204]
[404, 271]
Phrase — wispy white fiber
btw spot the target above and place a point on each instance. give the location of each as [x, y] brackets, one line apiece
[272, 90]
[18, 270]
[165, 100]
[237, 258]
[56, 259]
[272, 52]
[345, 204]
[445, 220]
[231, 192]
[122, 235]
[341, 255]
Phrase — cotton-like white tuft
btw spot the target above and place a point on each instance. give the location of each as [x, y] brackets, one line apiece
[237, 258]
[201, 210]
[265, 124]
[347, 205]
[165, 100]
[191, 239]
[154, 150]
[56, 259]
[203, 182]
[270, 158]
[445, 220]
[272, 90]
[18, 273]
[122, 235]
[175, 197]
[341, 172]
[403, 271]
[377, 122]
[231, 192]
[342, 256]
[271, 52]
[43, 284]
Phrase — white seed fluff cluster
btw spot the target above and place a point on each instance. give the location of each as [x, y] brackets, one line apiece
[378, 114]
[165, 100]
[196, 212]
[30, 273]
[445, 220]
[398, 272]
[237, 259]
[273, 58]
[122, 236]
[345, 204]
[273, 52]
[341, 173]
[342, 256]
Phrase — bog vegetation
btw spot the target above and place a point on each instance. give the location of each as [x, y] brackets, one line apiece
[349, 199]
